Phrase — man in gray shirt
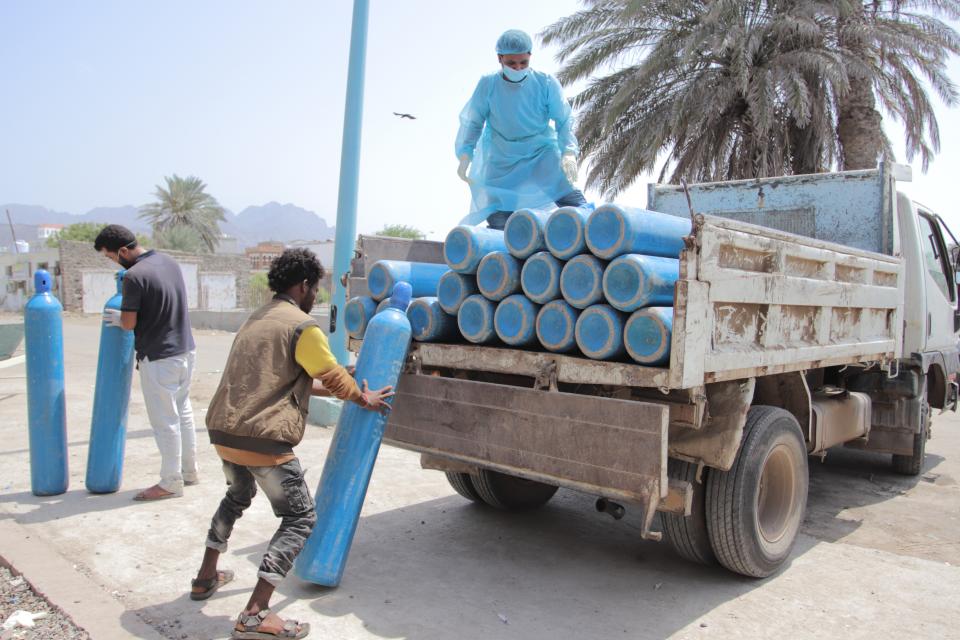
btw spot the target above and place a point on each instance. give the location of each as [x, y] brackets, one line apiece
[154, 307]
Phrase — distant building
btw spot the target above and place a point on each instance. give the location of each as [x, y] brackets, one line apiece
[48, 230]
[228, 245]
[323, 249]
[263, 254]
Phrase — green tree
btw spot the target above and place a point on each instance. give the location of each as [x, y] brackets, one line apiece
[723, 90]
[258, 290]
[86, 232]
[185, 203]
[401, 231]
[180, 239]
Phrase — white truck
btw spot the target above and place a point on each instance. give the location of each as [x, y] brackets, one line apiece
[811, 312]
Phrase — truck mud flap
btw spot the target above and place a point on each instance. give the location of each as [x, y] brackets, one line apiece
[602, 446]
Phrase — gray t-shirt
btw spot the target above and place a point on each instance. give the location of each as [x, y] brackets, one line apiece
[154, 288]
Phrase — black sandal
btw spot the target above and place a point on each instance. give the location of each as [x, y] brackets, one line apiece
[292, 629]
[210, 585]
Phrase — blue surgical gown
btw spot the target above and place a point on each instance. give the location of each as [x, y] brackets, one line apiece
[506, 128]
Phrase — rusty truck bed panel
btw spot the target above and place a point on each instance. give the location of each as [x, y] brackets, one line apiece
[614, 448]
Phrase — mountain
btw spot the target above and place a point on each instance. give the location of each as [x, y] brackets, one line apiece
[271, 221]
[275, 221]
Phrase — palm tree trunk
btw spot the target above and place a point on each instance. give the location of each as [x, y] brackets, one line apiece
[859, 126]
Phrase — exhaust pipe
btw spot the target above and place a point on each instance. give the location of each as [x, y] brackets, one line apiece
[615, 510]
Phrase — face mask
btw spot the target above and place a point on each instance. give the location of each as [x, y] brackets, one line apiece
[514, 75]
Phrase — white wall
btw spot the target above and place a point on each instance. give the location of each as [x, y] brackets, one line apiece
[98, 287]
[189, 270]
[218, 291]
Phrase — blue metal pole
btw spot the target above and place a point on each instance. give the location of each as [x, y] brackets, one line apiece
[349, 175]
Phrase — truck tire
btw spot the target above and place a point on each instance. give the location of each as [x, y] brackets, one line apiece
[511, 493]
[912, 465]
[463, 484]
[754, 510]
[688, 534]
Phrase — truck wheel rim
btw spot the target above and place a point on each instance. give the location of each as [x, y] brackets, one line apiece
[776, 497]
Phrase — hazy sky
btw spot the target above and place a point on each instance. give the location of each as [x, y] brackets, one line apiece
[102, 99]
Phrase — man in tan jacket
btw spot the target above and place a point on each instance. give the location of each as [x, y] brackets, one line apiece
[257, 415]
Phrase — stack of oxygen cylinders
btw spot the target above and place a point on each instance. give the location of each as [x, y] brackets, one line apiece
[595, 281]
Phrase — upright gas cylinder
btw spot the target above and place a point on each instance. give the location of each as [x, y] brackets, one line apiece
[46, 404]
[111, 398]
[346, 473]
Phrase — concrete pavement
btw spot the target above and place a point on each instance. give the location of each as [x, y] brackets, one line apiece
[878, 556]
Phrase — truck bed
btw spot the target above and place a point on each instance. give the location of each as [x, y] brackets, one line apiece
[750, 301]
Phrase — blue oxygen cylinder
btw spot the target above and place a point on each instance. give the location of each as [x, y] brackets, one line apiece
[465, 247]
[557, 325]
[46, 404]
[634, 281]
[540, 277]
[453, 289]
[475, 320]
[647, 335]
[349, 463]
[613, 230]
[515, 320]
[356, 315]
[523, 232]
[430, 323]
[383, 305]
[564, 233]
[111, 398]
[600, 332]
[422, 277]
[581, 281]
[498, 275]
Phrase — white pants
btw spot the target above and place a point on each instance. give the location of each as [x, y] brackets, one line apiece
[166, 394]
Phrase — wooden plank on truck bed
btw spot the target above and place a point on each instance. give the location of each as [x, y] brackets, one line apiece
[608, 447]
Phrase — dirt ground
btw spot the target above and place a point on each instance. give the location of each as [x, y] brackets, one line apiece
[878, 557]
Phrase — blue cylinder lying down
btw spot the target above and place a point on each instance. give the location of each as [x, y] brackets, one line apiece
[111, 399]
[382, 305]
[634, 281]
[647, 335]
[523, 232]
[613, 230]
[498, 275]
[475, 320]
[581, 281]
[600, 332]
[465, 247]
[422, 277]
[556, 326]
[564, 233]
[429, 322]
[349, 463]
[453, 289]
[540, 277]
[46, 404]
[515, 320]
[356, 315]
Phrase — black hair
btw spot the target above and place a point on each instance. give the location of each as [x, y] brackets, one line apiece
[292, 267]
[114, 237]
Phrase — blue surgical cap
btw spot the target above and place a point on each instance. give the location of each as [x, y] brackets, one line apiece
[514, 41]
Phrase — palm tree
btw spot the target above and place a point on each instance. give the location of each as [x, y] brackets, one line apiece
[184, 203]
[724, 89]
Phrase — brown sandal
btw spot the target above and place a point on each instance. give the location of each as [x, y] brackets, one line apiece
[251, 625]
[210, 585]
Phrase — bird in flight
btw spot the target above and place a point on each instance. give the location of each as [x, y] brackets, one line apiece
[404, 115]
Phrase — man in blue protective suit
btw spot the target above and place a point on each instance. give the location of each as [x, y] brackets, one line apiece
[510, 154]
